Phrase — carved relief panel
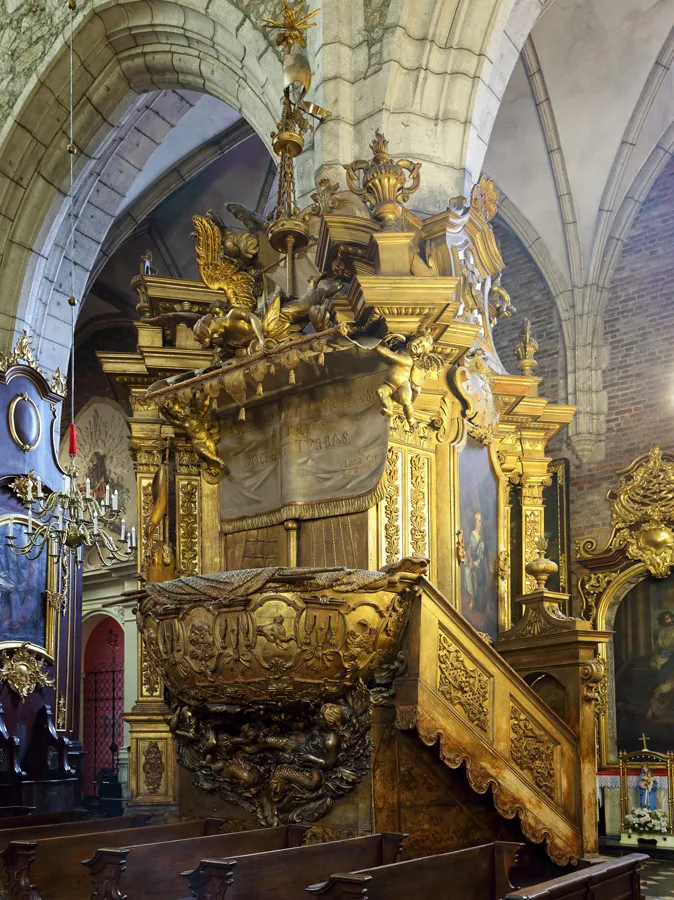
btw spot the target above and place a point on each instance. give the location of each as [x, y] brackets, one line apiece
[405, 515]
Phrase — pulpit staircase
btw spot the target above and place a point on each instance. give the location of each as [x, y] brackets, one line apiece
[460, 693]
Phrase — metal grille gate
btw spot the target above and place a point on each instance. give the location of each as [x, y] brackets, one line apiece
[103, 725]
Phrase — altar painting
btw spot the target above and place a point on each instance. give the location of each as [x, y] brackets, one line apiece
[478, 506]
[23, 583]
[644, 665]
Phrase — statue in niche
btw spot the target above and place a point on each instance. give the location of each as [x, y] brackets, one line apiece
[647, 786]
[662, 698]
[476, 571]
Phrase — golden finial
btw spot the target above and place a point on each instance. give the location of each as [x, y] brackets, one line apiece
[541, 568]
[379, 147]
[526, 349]
[291, 28]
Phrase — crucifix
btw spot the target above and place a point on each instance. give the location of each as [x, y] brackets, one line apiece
[644, 739]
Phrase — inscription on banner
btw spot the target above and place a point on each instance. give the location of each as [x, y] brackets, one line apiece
[326, 443]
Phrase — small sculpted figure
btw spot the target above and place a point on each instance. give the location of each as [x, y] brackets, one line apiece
[406, 374]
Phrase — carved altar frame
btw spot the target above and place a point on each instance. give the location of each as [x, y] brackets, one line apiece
[502, 523]
[641, 544]
[632, 763]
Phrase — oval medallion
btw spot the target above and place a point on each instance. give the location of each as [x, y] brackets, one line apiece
[25, 425]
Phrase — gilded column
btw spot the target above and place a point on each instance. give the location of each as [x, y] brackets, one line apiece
[152, 758]
[188, 511]
[534, 478]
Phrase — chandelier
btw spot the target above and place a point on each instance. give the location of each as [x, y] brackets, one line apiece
[67, 520]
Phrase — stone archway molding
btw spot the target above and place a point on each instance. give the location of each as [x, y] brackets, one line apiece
[122, 51]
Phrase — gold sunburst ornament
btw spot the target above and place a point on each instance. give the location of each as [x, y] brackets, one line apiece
[295, 23]
[23, 671]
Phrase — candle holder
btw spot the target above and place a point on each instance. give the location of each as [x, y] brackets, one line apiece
[67, 520]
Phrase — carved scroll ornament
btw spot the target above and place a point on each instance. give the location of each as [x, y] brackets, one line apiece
[642, 517]
[463, 683]
[23, 671]
[532, 750]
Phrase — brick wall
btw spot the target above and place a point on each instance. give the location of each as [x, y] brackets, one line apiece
[639, 340]
[639, 375]
[531, 295]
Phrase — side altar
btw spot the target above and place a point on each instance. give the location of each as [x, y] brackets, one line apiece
[322, 428]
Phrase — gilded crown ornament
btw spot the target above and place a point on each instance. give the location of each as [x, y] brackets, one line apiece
[383, 183]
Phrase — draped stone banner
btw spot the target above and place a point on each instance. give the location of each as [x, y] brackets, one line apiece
[320, 452]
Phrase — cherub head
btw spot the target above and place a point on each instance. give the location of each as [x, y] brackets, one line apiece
[333, 714]
[420, 343]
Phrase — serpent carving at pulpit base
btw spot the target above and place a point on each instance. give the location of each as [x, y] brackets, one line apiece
[270, 671]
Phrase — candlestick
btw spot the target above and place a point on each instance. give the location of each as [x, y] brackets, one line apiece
[95, 519]
[107, 494]
[115, 500]
[133, 537]
[88, 487]
[40, 492]
[30, 520]
[123, 537]
[29, 490]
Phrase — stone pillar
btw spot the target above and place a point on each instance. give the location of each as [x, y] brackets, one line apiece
[545, 642]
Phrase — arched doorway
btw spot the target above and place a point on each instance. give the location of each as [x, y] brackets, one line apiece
[103, 701]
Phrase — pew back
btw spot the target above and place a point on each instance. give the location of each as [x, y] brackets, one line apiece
[53, 865]
[154, 871]
[284, 874]
[37, 831]
[477, 873]
[602, 881]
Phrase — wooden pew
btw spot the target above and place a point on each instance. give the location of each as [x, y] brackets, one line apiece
[17, 812]
[28, 818]
[284, 874]
[50, 868]
[154, 871]
[34, 831]
[616, 878]
[477, 873]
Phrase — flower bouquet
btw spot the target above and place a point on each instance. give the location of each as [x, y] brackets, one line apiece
[647, 821]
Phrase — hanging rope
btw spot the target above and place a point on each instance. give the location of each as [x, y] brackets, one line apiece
[72, 150]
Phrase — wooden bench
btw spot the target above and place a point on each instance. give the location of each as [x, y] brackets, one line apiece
[36, 831]
[284, 874]
[616, 878]
[154, 871]
[51, 867]
[478, 873]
